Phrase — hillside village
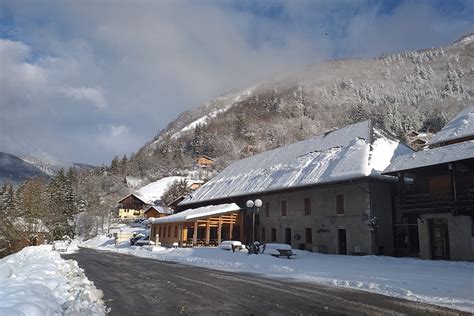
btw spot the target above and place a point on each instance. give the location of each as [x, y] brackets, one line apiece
[369, 159]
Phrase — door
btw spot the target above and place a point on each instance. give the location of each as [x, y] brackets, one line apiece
[288, 236]
[439, 239]
[342, 241]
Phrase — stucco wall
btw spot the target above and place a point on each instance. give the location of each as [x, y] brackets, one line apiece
[325, 222]
[460, 236]
[381, 195]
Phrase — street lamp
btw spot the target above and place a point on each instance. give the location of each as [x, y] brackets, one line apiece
[255, 207]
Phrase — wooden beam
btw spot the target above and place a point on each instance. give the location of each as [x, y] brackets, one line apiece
[195, 236]
[208, 232]
[231, 229]
[219, 231]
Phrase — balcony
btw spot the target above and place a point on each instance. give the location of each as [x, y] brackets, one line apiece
[441, 202]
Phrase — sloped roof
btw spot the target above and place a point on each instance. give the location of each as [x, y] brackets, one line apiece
[193, 214]
[154, 191]
[354, 151]
[459, 127]
[432, 157]
[160, 209]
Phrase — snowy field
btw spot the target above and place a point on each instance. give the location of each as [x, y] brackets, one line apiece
[37, 282]
[444, 283]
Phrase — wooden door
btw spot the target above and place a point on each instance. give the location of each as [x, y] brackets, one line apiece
[439, 237]
[342, 241]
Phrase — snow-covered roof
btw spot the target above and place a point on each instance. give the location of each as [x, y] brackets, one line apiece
[160, 209]
[431, 157]
[461, 126]
[354, 151]
[154, 191]
[193, 214]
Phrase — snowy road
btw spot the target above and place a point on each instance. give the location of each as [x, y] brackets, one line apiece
[140, 286]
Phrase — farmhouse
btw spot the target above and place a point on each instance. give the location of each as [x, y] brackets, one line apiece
[132, 206]
[437, 193]
[323, 194]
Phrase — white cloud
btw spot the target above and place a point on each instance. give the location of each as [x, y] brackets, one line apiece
[88, 94]
[78, 68]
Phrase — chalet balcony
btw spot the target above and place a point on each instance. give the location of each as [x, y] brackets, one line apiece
[461, 203]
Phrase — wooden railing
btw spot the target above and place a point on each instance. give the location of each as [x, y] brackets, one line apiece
[439, 202]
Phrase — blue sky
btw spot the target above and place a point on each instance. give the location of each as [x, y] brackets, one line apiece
[86, 80]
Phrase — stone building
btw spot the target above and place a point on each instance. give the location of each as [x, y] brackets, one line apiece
[323, 194]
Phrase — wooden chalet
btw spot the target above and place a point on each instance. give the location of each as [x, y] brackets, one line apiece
[132, 206]
[436, 194]
[155, 211]
[205, 161]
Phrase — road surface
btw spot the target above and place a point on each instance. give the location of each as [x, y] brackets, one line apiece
[140, 286]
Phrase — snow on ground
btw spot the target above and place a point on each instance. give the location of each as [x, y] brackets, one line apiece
[444, 283]
[36, 281]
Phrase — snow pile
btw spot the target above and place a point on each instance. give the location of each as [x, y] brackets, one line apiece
[354, 151]
[36, 282]
[461, 126]
[443, 283]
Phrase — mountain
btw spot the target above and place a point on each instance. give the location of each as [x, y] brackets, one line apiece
[51, 167]
[413, 90]
[14, 170]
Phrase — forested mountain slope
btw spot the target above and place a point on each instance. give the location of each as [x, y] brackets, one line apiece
[402, 92]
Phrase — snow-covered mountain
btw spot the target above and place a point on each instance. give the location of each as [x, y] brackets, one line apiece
[413, 90]
[51, 167]
[14, 169]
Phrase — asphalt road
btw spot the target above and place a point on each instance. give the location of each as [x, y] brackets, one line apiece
[140, 286]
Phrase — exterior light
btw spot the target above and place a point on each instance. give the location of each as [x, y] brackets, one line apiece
[258, 203]
[250, 203]
[254, 206]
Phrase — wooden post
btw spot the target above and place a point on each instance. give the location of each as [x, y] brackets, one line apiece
[195, 236]
[242, 229]
[208, 231]
[219, 230]
[401, 186]
[231, 228]
[452, 168]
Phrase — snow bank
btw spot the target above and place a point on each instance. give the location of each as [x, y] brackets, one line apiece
[443, 283]
[37, 281]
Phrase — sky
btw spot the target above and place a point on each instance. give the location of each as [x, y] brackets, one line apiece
[83, 81]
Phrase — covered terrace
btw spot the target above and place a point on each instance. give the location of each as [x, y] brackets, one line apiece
[203, 226]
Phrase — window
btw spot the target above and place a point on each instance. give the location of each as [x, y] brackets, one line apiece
[307, 206]
[263, 234]
[169, 231]
[283, 208]
[267, 209]
[340, 204]
[176, 231]
[274, 234]
[159, 231]
[309, 235]
[164, 231]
